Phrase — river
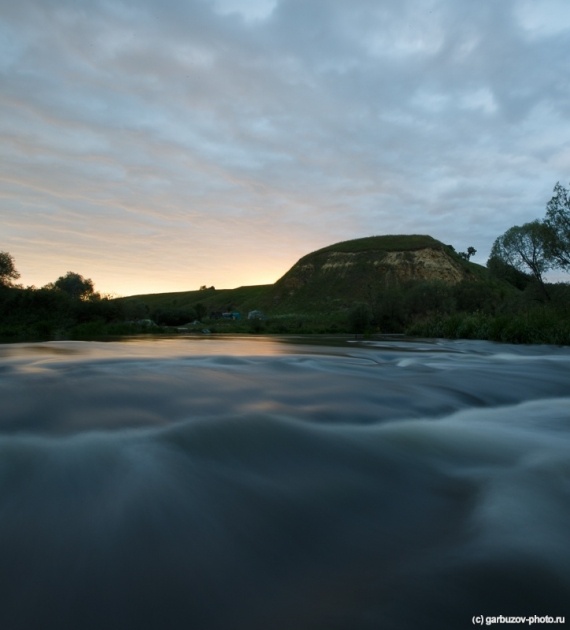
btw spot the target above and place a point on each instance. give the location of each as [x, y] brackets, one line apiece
[282, 483]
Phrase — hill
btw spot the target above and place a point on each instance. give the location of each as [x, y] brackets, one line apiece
[187, 305]
[354, 271]
[327, 281]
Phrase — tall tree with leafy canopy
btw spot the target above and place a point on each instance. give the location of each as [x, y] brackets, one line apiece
[524, 247]
[76, 286]
[7, 269]
[558, 221]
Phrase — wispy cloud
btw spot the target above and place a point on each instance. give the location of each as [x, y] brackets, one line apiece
[164, 145]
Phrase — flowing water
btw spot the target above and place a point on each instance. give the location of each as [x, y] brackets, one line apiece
[282, 484]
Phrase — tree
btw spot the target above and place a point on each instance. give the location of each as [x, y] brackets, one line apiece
[500, 269]
[7, 269]
[471, 251]
[76, 286]
[524, 247]
[558, 221]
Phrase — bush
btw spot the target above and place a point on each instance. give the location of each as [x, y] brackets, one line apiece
[359, 319]
[173, 316]
[538, 325]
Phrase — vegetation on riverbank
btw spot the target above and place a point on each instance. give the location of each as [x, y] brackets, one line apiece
[494, 310]
[411, 284]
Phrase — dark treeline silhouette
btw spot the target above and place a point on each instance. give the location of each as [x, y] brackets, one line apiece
[52, 311]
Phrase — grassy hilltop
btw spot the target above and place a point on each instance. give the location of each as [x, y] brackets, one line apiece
[387, 243]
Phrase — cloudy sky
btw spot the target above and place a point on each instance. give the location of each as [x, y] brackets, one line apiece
[159, 145]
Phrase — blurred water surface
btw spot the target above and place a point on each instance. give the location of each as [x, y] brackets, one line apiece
[283, 483]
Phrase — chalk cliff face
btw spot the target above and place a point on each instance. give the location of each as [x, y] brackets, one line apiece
[422, 264]
[353, 268]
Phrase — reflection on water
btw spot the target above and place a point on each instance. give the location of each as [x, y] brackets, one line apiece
[274, 483]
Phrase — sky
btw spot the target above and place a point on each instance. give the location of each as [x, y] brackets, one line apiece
[162, 145]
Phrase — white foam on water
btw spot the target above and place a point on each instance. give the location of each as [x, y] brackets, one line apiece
[167, 486]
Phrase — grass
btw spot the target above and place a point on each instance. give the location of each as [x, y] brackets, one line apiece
[242, 299]
[387, 243]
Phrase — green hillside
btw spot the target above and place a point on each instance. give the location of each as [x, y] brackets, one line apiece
[316, 284]
[242, 299]
[359, 271]
[387, 243]
[323, 287]
[338, 290]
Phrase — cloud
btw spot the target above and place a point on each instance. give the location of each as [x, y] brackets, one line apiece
[267, 129]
